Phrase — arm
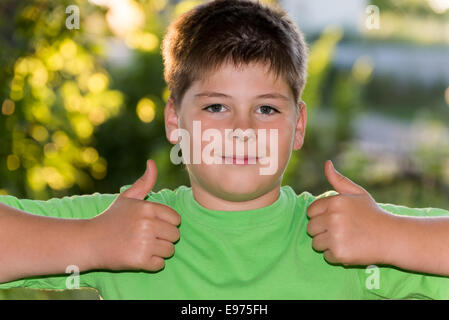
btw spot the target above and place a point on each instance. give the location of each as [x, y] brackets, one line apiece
[421, 243]
[37, 245]
[352, 229]
[419, 249]
[130, 233]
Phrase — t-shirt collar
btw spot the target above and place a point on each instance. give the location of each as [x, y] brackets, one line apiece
[234, 219]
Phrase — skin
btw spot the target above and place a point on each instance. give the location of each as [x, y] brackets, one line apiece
[351, 229]
[239, 187]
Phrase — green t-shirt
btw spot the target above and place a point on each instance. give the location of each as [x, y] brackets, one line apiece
[255, 254]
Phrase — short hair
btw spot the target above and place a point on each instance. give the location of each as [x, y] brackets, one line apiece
[237, 31]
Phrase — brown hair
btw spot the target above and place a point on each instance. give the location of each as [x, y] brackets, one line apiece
[240, 31]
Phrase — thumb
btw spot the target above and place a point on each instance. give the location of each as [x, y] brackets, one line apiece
[144, 184]
[340, 183]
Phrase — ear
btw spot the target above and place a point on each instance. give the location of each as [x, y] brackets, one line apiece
[300, 126]
[171, 119]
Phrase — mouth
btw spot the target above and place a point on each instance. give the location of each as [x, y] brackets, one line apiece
[240, 160]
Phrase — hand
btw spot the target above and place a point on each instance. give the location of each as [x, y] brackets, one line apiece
[350, 228]
[134, 233]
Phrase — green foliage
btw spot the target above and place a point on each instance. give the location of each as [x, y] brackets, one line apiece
[69, 111]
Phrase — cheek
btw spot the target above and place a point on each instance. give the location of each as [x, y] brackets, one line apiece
[285, 131]
[195, 132]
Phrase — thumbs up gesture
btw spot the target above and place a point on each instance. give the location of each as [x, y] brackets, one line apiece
[350, 228]
[134, 233]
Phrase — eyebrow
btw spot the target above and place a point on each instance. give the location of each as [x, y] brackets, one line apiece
[211, 94]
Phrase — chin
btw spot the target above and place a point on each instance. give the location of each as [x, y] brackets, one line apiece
[239, 188]
[239, 195]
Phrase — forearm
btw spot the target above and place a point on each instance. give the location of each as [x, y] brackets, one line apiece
[36, 245]
[421, 244]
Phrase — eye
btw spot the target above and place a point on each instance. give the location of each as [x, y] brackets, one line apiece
[215, 108]
[268, 110]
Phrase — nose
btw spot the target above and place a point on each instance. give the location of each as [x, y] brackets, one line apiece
[242, 129]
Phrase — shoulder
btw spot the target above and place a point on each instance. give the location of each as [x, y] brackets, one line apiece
[305, 198]
[409, 211]
[164, 196]
[75, 206]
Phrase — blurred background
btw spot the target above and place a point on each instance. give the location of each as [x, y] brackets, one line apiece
[82, 98]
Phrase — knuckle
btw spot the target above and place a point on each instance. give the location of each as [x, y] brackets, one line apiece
[337, 202]
[311, 207]
[171, 249]
[309, 228]
[178, 216]
[340, 252]
[137, 260]
[309, 212]
[150, 209]
[329, 256]
[335, 234]
[314, 244]
[175, 217]
[177, 234]
[147, 227]
[334, 220]
[341, 255]
[337, 222]
[157, 263]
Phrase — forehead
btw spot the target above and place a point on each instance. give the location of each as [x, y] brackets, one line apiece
[246, 79]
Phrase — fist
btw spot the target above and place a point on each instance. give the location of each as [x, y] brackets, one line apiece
[349, 228]
[134, 233]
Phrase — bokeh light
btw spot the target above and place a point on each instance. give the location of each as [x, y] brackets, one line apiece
[8, 107]
[439, 6]
[146, 110]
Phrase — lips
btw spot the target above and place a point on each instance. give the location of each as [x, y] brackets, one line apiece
[240, 159]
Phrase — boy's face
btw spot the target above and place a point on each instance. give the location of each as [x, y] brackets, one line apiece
[232, 103]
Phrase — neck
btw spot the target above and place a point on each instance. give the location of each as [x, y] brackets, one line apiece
[214, 202]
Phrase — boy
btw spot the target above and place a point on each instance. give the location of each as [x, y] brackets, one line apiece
[238, 233]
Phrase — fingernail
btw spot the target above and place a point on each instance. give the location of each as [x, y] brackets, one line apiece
[146, 169]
